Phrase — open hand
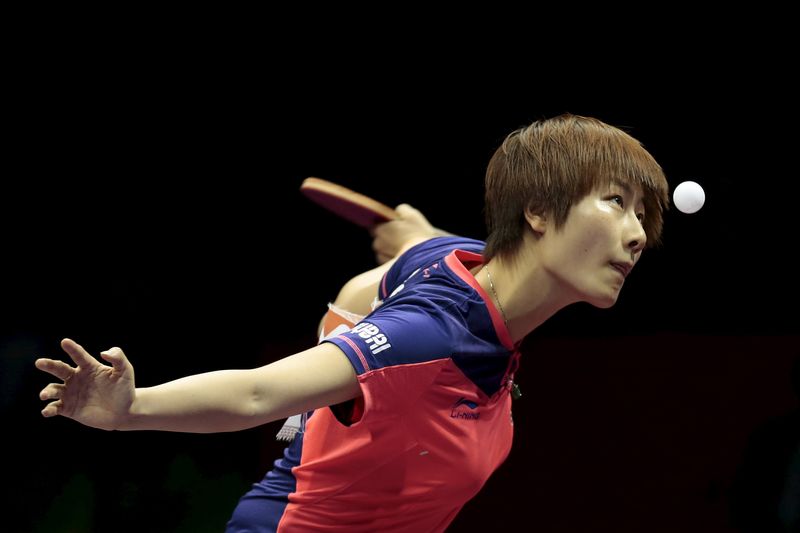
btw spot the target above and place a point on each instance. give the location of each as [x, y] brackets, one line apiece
[92, 393]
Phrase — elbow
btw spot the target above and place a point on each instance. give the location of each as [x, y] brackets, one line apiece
[259, 408]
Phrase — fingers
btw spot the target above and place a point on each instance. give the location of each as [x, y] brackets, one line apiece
[116, 357]
[59, 369]
[414, 218]
[53, 391]
[64, 372]
[77, 353]
[405, 210]
[52, 409]
[408, 212]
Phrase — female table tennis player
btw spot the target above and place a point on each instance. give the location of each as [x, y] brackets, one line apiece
[409, 406]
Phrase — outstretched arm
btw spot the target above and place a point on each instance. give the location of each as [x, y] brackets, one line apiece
[105, 397]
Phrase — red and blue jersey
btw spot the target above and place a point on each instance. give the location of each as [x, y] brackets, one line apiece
[435, 363]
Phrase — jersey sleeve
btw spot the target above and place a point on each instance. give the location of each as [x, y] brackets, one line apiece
[397, 352]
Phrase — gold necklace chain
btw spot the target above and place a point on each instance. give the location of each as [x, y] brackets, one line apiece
[491, 285]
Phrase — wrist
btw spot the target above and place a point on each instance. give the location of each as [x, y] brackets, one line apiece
[133, 418]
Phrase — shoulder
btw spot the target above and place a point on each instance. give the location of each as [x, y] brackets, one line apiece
[423, 255]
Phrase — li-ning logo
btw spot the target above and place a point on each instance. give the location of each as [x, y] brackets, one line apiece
[372, 335]
[427, 272]
[463, 413]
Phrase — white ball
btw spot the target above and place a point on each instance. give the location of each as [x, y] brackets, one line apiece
[688, 197]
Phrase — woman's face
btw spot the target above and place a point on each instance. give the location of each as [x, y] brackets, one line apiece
[600, 242]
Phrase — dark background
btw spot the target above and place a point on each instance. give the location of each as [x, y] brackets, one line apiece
[151, 202]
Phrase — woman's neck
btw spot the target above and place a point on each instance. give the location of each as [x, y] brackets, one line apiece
[524, 292]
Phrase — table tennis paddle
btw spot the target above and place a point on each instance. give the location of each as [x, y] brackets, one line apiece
[348, 204]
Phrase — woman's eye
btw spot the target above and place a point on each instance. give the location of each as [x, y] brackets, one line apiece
[618, 200]
[640, 216]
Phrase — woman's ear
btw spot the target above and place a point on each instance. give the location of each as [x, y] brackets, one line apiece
[537, 222]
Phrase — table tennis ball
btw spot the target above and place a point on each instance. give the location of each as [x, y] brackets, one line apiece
[688, 197]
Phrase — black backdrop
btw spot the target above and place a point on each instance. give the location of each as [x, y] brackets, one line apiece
[155, 206]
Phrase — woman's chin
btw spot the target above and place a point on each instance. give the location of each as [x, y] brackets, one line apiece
[604, 301]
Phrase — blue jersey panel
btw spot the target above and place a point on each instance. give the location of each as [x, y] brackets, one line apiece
[422, 255]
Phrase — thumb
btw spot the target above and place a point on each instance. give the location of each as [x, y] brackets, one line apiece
[116, 357]
[408, 211]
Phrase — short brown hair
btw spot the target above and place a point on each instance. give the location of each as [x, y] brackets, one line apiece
[552, 164]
